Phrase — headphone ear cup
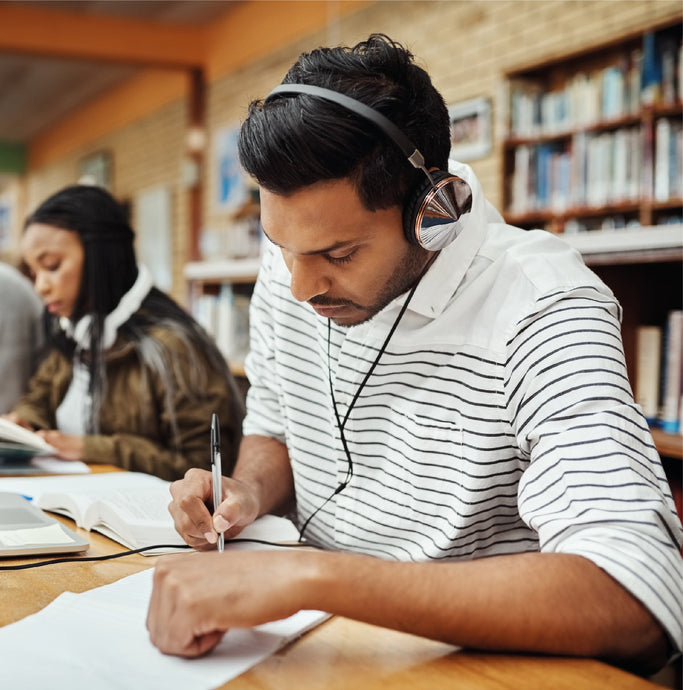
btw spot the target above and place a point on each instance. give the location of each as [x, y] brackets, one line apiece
[416, 200]
[432, 229]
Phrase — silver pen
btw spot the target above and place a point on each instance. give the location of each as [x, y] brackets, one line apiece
[216, 471]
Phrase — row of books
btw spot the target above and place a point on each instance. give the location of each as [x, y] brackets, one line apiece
[659, 372]
[648, 75]
[598, 169]
[225, 316]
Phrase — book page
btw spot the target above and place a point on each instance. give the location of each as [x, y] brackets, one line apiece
[135, 518]
[9, 431]
[98, 639]
[71, 505]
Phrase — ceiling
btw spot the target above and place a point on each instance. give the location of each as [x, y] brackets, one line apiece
[39, 90]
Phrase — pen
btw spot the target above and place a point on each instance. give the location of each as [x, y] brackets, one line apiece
[216, 471]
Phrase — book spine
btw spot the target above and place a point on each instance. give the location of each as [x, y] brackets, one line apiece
[648, 352]
[662, 156]
[672, 378]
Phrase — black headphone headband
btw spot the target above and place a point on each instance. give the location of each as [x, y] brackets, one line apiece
[432, 211]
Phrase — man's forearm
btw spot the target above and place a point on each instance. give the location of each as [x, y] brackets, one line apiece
[263, 464]
[547, 603]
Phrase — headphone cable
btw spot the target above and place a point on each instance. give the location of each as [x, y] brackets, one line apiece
[341, 424]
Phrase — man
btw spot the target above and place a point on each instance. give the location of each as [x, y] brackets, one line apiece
[22, 339]
[443, 406]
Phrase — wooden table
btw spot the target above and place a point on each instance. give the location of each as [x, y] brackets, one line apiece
[341, 654]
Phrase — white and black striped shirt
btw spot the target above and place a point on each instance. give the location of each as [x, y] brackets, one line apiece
[498, 420]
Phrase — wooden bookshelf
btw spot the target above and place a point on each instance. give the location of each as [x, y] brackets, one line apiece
[208, 280]
[648, 244]
[593, 142]
[231, 270]
[668, 445]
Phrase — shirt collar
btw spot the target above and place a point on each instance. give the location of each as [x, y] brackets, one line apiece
[449, 268]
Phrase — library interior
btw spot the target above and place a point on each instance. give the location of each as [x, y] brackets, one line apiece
[569, 113]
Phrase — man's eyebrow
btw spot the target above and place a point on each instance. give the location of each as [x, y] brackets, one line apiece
[324, 250]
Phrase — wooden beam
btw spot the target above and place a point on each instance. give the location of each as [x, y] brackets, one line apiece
[93, 37]
[196, 102]
[136, 98]
[255, 29]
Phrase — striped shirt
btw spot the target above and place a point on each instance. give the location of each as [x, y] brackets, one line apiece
[498, 420]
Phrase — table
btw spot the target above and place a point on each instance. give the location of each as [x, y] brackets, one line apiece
[341, 654]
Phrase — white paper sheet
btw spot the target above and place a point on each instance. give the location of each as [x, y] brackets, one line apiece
[98, 639]
[43, 464]
[52, 465]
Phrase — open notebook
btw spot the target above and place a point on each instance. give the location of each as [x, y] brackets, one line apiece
[25, 530]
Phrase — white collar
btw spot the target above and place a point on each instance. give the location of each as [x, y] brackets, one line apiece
[127, 306]
[442, 279]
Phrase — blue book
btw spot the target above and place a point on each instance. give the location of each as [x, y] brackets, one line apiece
[651, 70]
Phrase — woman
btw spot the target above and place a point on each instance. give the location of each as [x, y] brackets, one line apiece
[132, 379]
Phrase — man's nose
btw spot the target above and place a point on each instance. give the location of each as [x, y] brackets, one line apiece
[307, 279]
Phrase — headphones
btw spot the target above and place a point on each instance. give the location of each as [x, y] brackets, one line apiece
[433, 208]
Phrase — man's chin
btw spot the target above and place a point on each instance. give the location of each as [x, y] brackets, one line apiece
[349, 320]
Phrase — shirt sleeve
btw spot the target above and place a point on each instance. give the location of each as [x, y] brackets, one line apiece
[595, 485]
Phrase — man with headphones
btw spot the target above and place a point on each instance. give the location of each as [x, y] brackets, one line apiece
[439, 401]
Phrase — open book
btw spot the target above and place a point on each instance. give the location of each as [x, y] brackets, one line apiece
[17, 442]
[129, 507]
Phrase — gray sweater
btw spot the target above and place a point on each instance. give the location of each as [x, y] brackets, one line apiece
[22, 338]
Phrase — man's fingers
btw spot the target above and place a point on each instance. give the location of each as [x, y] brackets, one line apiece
[188, 508]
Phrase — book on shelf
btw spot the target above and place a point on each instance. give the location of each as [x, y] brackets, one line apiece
[672, 373]
[647, 383]
[651, 69]
[18, 442]
[129, 507]
[668, 174]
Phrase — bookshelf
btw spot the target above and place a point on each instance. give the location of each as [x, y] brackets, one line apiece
[218, 297]
[594, 152]
[594, 139]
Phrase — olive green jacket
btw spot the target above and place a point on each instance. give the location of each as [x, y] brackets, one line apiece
[136, 430]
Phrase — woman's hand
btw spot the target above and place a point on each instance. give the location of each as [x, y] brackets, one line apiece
[16, 419]
[68, 447]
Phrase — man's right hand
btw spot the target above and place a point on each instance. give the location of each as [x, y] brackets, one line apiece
[194, 520]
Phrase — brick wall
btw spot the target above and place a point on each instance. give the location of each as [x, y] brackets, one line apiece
[466, 46]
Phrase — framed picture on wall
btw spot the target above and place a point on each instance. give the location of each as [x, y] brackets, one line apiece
[470, 129]
[96, 169]
[231, 187]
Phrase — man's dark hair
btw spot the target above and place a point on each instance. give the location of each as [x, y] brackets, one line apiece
[294, 140]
